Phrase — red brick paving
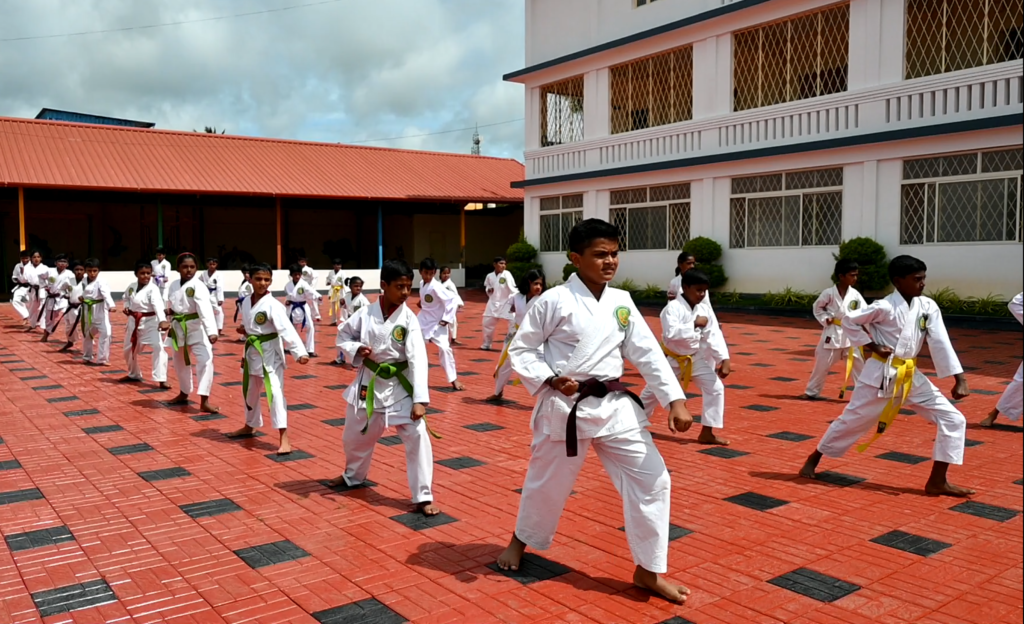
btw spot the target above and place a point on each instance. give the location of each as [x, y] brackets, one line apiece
[164, 566]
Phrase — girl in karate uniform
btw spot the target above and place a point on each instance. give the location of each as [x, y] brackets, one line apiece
[336, 293]
[437, 312]
[211, 279]
[534, 284]
[830, 309]
[95, 315]
[301, 300]
[353, 301]
[191, 332]
[145, 309]
[1010, 404]
[446, 281]
[267, 331]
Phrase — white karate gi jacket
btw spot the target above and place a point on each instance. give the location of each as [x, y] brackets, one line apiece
[59, 287]
[20, 274]
[681, 336]
[96, 291]
[438, 306]
[192, 297]
[269, 316]
[904, 327]
[453, 289]
[309, 275]
[1017, 308]
[353, 305]
[161, 272]
[396, 339]
[146, 300]
[214, 285]
[504, 287]
[569, 333]
[830, 305]
[301, 292]
[38, 276]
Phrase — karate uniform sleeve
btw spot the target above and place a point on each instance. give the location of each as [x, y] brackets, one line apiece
[716, 340]
[220, 292]
[286, 332]
[527, 349]
[416, 355]
[451, 304]
[104, 292]
[679, 336]
[510, 281]
[854, 322]
[126, 298]
[349, 336]
[944, 357]
[641, 348]
[205, 311]
[158, 304]
[1017, 308]
[821, 307]
[489, 282]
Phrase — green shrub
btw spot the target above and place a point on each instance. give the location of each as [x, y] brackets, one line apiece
[728, 298]
[715, 273]
[948, 301]
[704, 249]
[651, 293]
[521, 251]
[790, 298]
[568, 271]
[989, 305]
[520, 269]
[627, 285]
[873, 261]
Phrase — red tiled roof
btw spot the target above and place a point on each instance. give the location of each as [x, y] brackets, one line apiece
[80, 156]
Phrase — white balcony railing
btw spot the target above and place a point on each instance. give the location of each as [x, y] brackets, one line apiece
[970, 94]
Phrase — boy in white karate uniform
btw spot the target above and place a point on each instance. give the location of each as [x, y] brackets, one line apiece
[59, 285]
[500, 286]
[696, 350]
[534, 285]
[1012, 401]
[145, 309]
[830, 309]
[19, 296]
[95, 315]
[211, 279]
[684, 262]
[301, 299]
[893, 330]
[336, 293]
[570, 352]
[70, 316]
[446, 281]
[390, 388]
[309, 276]
[268, 331]
[38, 279]
[162, 273]
[352, 301]
[191, 332]
[437, 312]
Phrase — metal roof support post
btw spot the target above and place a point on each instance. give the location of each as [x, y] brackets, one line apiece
[22, 236]
[279, 219]
[380, 236]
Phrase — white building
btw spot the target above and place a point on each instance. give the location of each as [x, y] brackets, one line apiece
[779, 128]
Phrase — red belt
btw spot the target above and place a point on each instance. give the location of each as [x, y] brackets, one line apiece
[599, 390]
[138, 316]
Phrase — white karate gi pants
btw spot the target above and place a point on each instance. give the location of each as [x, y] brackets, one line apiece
[278, 407]
[35, 306]
[71, 324]
[100, 332]
[824, 360]
[490, 329]
[712, 391]
[445, 353]
[861, 417]
[19, 299]
[296, 316]
[453, 330]
[202, 358]
[504, 373]
[1010, 404]
[51, 314]
[158, 370]
[359, 448]
[218, 315]
[638, 472]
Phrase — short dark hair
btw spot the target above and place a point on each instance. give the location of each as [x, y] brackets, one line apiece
[428, 264]
[258, 267]
[532, 276]
[36, 251]
[142, 264]
[92, 263]
[209, 260]
[392, 270]
[77, 263]
[294, 268]
[186, 256]
[845, 266]
[247, 268]
[444, 267]
[160, 250]
[301, 258]
[683, 257]
[696, 277]
[904, 266]
[60, 257]
[498, 259]
[337, 261]
[25, 253]
[355, 279]
[586, 232]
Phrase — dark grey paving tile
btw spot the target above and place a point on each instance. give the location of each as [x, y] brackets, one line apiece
[989, 512]
[301, 407]
[815, 585]
[675, 532]
[10, 464]
[418, 522]
[390, 440]
[20, 496]
[533, 569]
[790, 436]
[902, 458]
[1017, 482]
[103, 429]
[1, 441]
[152, 391]
[484, 361]
[208, 509]
[722, 452]
[840, 479]
[484, 427]
[296, 455]
[738, 387]
[33, 378]
[461, 463]
[336, 387]
[784, 379]
[676, 620]
[341, 489]
[334, 422]
[757, 502]
[231, 384]
[761, 408]
[39, 539]
[208, 417]
[433, 410]
[251, 436]
[131, 449]
[165, 474]
[85, 412]
[762, 365]
[271, 554]
[468, 374]
[303, 377]
[972, 443]
[369, 611]
[63, 399]
[910, 543]
[114, 371]
[985, 392]
[73, 598]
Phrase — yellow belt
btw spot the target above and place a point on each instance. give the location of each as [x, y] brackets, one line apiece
[504, 356]
[336, 292]
[685, 366]
[850, 357]
[905, 370]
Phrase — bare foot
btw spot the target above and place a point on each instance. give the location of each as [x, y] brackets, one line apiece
[66, 347]
[509, 560]
[204, 406]
[428, 508]
[339, 482]
[707, 436]
[313, 355]
[494, 398]
[656, 584]
[947, 489]
[241, 433]
[458, 386]
[181, 399]
[286, 446]
[990, 419]
[46, 336]
[164, 385]
[807, 472]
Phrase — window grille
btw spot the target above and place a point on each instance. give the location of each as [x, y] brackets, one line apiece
[657, 217]
[796, 59]
[558, 216]
[962, 198]
[796, 209]
[653, 91]
[561, 112]
[949, 35]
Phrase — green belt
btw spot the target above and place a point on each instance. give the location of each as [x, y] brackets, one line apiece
[256, 341]
[182, 319]
[387, 370]
[87, 317]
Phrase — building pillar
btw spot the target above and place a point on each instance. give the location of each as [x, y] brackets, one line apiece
[279, 219]
[159, 223]
[462, 238]
[22, 232]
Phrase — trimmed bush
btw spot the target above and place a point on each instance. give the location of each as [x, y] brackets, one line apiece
[704, 249]
[521, 251]
[568, 271]
[873, 261]
[716, 274]
[520, 269]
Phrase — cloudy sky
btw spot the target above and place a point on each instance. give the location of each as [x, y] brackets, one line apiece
[335, 70]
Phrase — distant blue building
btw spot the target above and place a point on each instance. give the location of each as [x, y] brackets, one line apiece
[59, 115]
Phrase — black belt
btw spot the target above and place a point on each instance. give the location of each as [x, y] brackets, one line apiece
[599, 390]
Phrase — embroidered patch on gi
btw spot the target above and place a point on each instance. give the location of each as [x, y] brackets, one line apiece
[922, 323]
[190, 292]
[131, 291]
[399, 334]
[302, 291]
[854, 305]
[261, 318]
[429, 298]
[52, 280]
[503, 281]
[622, 317]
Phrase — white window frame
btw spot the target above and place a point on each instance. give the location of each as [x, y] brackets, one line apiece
[781, 194]
[666, 204]
[561, 214]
